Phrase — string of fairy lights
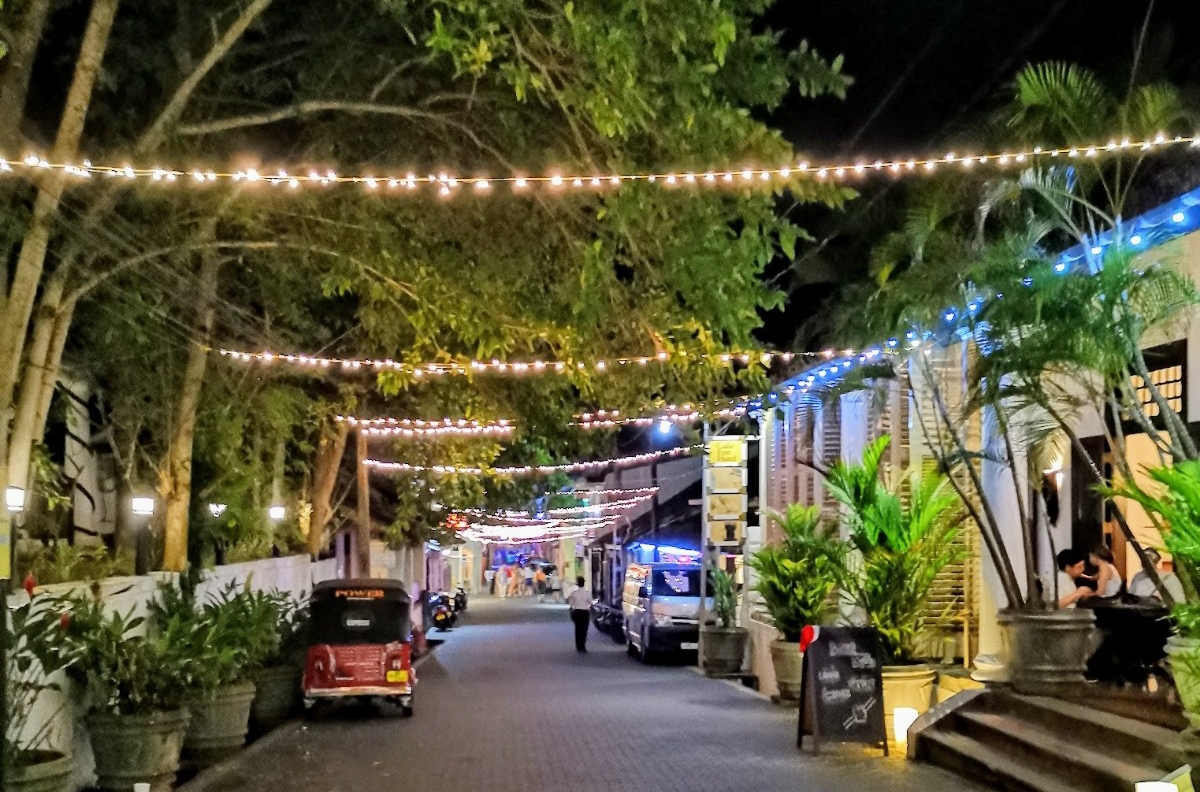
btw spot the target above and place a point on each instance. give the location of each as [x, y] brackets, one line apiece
[439, 369]
[516, 529]
[446, 184]
[527, 470]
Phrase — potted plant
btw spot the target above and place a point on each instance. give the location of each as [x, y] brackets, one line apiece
[237, 631]
[137, 690]
[277, 681]
[796, 580]
[724, 642]
[33, 650]
[904, 532]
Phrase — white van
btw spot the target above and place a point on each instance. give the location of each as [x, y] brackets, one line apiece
[661, 606]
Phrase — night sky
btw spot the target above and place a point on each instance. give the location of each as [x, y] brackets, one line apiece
[927, 73]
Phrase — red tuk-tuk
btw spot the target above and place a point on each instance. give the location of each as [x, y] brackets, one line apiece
[360, 645]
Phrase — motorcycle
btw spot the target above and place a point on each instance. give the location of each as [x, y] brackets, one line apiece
[460, 600]
[442, 611]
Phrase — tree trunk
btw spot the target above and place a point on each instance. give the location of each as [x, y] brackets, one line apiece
[363, 543]
[25, 427]
[18, 304]
[176, 481]
[18, 67]
[330, 449]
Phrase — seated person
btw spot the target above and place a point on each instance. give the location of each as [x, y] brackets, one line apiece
[1070, 567]
[1108, 579]
[1142, 586]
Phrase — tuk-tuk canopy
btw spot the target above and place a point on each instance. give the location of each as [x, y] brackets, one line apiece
[360, 611]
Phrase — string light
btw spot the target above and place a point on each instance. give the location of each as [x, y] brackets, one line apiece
[415, 428]
[527, 470]
[619, 505]
[445, 184]
[421, 423]
[504, 367]
[600, 493]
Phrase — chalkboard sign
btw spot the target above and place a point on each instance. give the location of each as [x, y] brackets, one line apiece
[841, 698]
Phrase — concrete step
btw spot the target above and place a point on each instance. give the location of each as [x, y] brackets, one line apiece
[973, 759]
[1166, 749]
[1095, 766]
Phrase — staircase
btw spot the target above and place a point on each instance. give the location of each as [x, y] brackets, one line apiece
[1037, 744]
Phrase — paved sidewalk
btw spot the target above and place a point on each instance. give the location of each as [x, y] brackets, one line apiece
[506, 705]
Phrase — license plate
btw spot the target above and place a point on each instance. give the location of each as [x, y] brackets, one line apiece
[689, 645]
[397, 676]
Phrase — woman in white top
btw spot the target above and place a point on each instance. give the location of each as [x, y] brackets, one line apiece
[1108, 579]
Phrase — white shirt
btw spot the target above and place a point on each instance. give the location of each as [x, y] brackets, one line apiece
[1113, 586]
[1143, 586]
[580, 599]
[1066, 585]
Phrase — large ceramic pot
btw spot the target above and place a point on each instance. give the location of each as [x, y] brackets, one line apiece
[1183, 655]
[137, 748]
[1048, 649]
[789, 669]
[42, 771]
[906, 686]
[724, 648]
[219, 724]
[276, 696]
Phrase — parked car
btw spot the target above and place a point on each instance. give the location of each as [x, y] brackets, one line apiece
[661, 607]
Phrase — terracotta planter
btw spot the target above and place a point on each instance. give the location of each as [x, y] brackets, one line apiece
[1183, 655]
[43, 771]
[1048, 649]
[906, 686]
[219, 724]
[137, 748]
[789, 669]
[276, 696]
[724, 648]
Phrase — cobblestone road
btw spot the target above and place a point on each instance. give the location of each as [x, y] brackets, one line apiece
[506, 705]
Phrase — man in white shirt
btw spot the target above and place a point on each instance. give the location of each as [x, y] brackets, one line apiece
[1070, 566]
[1142, 586]
[579, 602]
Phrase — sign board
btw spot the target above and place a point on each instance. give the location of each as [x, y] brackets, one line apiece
[841, 697]
[725, 531]
[726, 452]
[726, 506]
[726, 479]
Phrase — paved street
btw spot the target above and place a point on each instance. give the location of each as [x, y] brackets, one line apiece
[506, 705]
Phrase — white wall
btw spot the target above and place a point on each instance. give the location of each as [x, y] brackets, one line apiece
[133, 595]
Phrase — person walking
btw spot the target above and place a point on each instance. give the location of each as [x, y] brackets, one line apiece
[579, 602]
[528, 573]
[539, 582]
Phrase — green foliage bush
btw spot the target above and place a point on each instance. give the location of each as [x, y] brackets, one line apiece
[797, 578]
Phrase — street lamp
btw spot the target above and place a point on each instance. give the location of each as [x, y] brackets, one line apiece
[276, 512]
[216, 509]
[142, 507]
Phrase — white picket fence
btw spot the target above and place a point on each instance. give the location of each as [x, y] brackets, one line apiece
[63, 709]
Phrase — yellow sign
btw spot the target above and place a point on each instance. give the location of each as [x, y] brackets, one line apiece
[5, 552]
[726, 480]
[397, 676]
[726, 505]
[726, 451]
[723, 531]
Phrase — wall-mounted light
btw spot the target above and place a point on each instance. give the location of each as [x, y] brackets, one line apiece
[216, 509]
[276, 512]
[142, 506]
[14, 499]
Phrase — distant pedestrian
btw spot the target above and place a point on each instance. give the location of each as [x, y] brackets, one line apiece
[513, 581]
[579, 602]
[490, 577]
[539, 581]
[528, 573]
